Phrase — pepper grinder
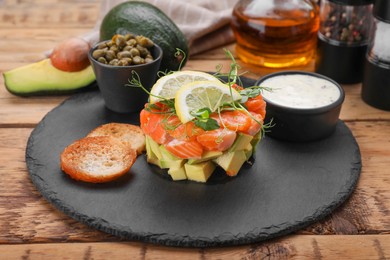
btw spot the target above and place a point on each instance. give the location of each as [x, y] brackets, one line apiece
[343, 38]
[376, 80]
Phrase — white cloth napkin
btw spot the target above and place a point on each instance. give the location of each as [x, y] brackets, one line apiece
[205, 23]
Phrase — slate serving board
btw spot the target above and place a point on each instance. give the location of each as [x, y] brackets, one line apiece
[289, 186]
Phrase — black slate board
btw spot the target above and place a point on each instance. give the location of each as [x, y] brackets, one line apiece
[289, 187]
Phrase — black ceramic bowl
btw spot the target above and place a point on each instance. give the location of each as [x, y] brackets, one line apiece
[302, 123]
[113, 82]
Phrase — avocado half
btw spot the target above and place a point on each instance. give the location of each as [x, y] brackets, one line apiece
[43, 78]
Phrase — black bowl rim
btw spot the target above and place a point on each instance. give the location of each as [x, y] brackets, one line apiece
[317, 110]
[92, 59]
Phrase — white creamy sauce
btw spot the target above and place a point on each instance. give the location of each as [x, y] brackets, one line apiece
[300, 91]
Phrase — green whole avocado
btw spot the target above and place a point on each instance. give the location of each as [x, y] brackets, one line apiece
[141, 18]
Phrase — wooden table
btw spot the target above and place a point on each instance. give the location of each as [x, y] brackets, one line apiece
[31, 228]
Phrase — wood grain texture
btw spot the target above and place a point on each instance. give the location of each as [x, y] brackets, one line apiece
[48, 14]
[292, 247]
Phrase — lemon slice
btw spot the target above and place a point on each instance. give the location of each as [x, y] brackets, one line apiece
[202, 94]
[167, 86]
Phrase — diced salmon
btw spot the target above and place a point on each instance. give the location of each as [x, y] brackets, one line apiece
[153, 125]
[256, 105]
[170, 122]
[144, 119]
[255, 127]
[235, 120]
[185, 149]
[217, 140]
[180, 131]
[237, 87]
[157, 107]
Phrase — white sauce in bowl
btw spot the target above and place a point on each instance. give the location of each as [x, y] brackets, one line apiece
[300, 91]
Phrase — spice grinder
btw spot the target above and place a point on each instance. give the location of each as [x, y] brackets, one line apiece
[342, 39]
[376, 81]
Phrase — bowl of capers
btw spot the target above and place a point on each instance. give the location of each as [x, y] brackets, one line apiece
[117, 61]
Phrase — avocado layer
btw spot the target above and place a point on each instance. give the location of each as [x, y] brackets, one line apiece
[199, 172]
[43, 78]
[231, 162]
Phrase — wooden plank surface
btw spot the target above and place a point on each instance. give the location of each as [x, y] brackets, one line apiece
[31, 228]
[57, 14]
[292, 247]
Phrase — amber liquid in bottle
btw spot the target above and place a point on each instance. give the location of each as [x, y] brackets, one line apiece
[275, 33]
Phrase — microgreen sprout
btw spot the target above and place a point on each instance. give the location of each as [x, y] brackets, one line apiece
[232, 75]
[180, 54]
[136, 83]
[252, 92]
[203, 119]
[265, 127]
[246, 93]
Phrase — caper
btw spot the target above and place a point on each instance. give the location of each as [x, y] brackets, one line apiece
[102, 60]
[142, 50]
[127, 48]
[129, 36]
[110, 55]
[131, 42]
[134, 52]
[122, 63]
[148, 60]
[124, 54]
[144, 42]
[114, 48]
[102, 45]
[138, 60]
[127, 60]
[114, 62]
[120, 41]
[98, 53]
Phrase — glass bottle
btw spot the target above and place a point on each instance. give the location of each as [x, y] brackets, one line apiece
[342, 39]
[376, 79]
[275, 33]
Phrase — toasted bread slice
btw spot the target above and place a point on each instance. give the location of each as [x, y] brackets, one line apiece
[130, 134]
[97, 159]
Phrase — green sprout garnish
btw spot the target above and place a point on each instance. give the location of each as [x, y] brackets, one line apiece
[136, 82]
[179, 53]
[203, 120]
[202, 117]
[252, 92]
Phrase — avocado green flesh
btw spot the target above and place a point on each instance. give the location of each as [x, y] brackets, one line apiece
[141, 18]
[241, 142]
[231, 162]
[249, 151]
[200, 170]
[42, 77]
[178, 174]
[153, 155]
[207, 155]
[255, 141]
